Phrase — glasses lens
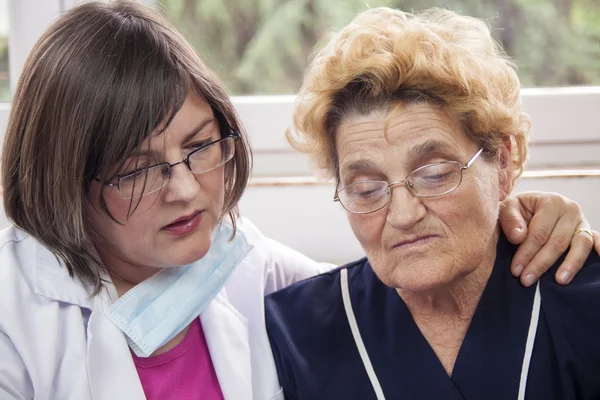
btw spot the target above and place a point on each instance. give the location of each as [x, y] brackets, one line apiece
[212, 156]
[364, 197]
[436, 179]
[143, 182]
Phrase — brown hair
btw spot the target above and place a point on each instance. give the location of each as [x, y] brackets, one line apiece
[99, 81]
[385, 58]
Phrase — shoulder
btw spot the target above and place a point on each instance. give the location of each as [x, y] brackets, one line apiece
[585, 284]
[308, 302]
[277, 264]
[306, 322]
[12, 240]
[32, 279]
[17, 259]
[320, 287]
[571, 312]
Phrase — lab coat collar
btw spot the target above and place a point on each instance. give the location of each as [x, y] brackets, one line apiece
[226, 332]
[48, 277]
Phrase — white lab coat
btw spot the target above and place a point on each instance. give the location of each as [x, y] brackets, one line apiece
[56, 341]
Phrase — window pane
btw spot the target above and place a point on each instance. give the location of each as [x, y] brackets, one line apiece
[262, 46]
[4, 83]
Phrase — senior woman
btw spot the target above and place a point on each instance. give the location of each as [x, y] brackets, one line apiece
[418, 118]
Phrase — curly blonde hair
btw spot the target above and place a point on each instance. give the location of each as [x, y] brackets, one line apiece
[386, 58]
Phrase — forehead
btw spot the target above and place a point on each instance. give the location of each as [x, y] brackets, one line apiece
[194, 116]
[413, 131]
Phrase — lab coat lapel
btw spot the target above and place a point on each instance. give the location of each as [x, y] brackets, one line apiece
[226, 332]
[112, 373]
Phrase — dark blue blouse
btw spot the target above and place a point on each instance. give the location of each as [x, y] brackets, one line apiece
[317, 358]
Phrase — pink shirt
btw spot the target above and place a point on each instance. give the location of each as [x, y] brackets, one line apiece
[185, 372]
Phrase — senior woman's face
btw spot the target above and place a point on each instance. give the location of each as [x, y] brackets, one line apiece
[415, 243]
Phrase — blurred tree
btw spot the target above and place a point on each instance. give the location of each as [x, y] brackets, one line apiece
[263, 46]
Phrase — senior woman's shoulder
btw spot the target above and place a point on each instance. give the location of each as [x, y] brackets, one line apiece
[310, 306]
[572, 315]
[310, 296]
[585, 283]
[306, 320]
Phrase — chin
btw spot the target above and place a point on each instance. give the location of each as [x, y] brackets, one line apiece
[422, 285]
[421, 279]
[190, 251]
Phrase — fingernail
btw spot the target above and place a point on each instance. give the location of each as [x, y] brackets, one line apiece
[515, 233]
[518, 270]
[565, 277]
[529, 280]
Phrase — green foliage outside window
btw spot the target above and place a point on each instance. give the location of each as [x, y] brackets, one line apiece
[262, 46]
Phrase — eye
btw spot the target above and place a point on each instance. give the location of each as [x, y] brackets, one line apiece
[366, 193]
[366, 190]
[198, 144]
[439, 177]
[130, 176]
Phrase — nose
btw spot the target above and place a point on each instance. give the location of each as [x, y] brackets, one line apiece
[182, 185]
[405, 209]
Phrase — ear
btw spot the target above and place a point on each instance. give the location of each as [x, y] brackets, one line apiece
[505, 172]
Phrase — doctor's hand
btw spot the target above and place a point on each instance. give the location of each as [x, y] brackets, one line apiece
[545, 225]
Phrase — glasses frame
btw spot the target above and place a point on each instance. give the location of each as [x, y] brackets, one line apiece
[186, 161]
[409, 185]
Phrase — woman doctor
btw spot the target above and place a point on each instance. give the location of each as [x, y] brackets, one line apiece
[123, 164]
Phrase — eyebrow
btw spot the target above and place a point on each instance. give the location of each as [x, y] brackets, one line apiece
[431, 146]
[197, 129]
[420, 151]
[358, 166]
[189, 136]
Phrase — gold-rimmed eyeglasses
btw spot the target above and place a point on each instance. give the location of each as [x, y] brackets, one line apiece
[431, 180]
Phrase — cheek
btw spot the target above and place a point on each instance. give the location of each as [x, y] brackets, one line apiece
[368, 230]
[138, 211]
[212, 184]
[130, 227]
[470, 214]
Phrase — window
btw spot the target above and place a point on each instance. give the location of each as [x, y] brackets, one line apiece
[262, 46]
[4, 82]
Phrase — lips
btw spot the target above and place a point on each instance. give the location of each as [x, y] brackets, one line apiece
[414, 240]
[185, 224]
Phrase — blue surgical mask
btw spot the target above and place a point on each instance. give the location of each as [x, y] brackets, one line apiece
[156, 310]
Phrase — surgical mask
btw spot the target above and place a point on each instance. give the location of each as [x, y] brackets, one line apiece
[156, 310]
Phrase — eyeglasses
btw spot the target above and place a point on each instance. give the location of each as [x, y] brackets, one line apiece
[153, 178]
[431, 180]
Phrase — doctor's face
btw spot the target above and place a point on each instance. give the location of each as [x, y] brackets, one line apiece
[172, 226]
[416, 243]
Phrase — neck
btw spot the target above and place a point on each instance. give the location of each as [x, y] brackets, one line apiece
[444, 314]
[457, 299]
[124, 275]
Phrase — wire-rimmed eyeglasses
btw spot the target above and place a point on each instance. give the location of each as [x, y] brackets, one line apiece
[151, 179]
[431, 180]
